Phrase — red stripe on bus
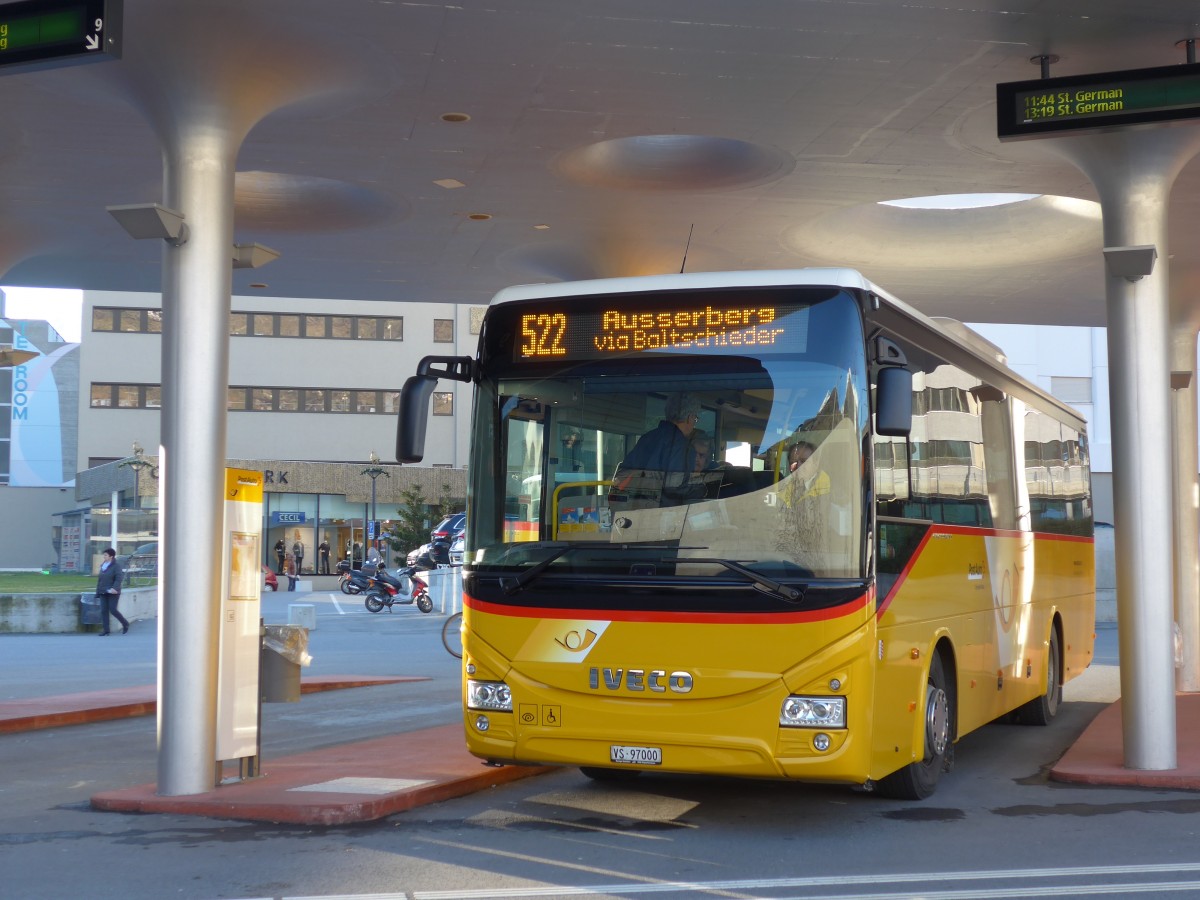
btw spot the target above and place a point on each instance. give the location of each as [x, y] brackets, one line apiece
[626, 615]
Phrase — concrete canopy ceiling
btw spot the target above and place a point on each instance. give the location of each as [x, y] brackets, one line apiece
[439, 152]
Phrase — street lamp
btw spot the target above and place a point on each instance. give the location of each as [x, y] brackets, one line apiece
[137, 462]
[374, 471]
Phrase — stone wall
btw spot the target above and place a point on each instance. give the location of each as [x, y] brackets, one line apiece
[59, 613]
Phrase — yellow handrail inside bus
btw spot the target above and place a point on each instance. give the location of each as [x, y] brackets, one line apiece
[554, 500]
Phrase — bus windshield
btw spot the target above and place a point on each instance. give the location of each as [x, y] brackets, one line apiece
[725, 450]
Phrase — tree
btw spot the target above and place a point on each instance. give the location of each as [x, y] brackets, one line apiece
[411, 528]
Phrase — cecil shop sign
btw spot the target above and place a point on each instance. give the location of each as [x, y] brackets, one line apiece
[287, 518]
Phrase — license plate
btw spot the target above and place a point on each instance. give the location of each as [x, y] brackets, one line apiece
[641, 756]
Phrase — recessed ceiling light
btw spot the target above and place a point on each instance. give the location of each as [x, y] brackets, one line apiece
[257, 284]
[959, 201]
[455, 117]
[541, 227]
[479, 217]
[449, 183]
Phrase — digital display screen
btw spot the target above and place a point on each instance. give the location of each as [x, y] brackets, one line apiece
[36, 33]
[550, 333]
[1026, 109]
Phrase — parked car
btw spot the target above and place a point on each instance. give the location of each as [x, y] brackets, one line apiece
[142, 561]
[456, 550]
[450, 527]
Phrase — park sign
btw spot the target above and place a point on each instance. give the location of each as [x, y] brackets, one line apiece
[1081, 103]
[44, 34]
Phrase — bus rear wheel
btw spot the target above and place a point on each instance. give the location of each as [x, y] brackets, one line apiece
[1043, 709]
[919, 779]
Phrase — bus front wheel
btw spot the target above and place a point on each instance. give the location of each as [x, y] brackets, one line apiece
[919, 779]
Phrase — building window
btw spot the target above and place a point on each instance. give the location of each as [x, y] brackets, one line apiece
[237, 323]
[153, 396]
[316, 327]
[289, 400]
[264, 325]
[367, 329]
[236, 398]
[477, 318]
[366, 401]
[339, 401]
[289, 326]
[131, 321]
[443, 331]
[391, 402]
[128, 396]
[102, 319]
[262, 399]
[314, 400]
[102, 395]
[341, 327]
[443, 403]
[391, 329]
[154, 321]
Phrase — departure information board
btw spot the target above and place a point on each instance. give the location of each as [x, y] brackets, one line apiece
[37, 34]
[1050, 106]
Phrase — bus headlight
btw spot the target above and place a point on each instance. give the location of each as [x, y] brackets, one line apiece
[813, 712]
[494, 695]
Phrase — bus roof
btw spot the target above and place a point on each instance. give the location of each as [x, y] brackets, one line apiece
[816, 276]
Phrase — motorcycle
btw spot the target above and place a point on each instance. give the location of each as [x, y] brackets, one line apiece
[403, 587]
[354, 581]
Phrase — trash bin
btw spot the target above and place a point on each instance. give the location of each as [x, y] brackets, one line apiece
[89, 610]
[284, 651]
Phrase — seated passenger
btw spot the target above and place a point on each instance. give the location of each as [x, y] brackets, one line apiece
[815, 484]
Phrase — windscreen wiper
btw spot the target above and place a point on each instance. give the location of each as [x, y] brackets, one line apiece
[512, 584]
[761, 582]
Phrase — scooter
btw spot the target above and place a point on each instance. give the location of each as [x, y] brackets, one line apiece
[353, 581]
[403, 587]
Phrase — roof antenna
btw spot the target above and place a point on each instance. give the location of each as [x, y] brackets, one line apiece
[686, 246]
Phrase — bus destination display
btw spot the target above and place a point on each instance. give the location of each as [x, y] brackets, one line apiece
[1026, 109]
[565, 334]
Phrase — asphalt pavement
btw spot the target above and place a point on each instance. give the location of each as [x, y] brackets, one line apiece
[364, 780]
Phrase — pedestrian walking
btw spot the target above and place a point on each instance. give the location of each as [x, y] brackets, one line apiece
[108, 591]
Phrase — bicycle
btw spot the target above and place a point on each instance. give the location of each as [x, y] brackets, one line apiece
[452, 635]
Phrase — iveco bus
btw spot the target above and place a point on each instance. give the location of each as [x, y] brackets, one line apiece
[867, 538]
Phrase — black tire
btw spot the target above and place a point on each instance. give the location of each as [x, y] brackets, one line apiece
[424, 601]
[374, 603]
[452, 635]
[348, 587]
[919, 779]
[599, 773]
[1043, 710]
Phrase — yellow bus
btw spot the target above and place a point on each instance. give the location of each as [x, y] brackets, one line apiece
[770, 524]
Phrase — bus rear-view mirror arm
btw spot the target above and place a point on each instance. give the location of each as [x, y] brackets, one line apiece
[413, 414]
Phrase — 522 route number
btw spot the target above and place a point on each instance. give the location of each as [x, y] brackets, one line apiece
[542, 334]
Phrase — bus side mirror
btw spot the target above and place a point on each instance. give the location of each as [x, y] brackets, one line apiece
[893, 402]
[413, 417]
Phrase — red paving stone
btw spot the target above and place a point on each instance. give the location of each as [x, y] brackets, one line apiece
[364, 781]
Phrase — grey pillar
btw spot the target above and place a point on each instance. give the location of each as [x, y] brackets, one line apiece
[1133, 171]
[197, 282]
[1187, 528]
